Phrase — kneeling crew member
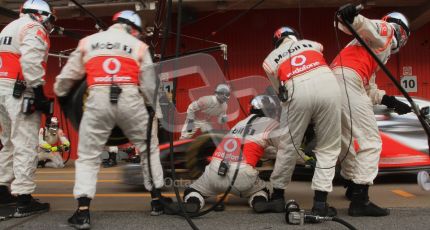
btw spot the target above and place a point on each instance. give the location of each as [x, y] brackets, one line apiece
[217, 177]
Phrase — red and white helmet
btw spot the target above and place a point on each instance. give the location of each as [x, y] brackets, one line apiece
[285, 32]
[40, 11]
[130, 18]
[401, 27]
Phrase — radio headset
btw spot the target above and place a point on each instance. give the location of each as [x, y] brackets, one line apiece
[18, 87]
[115, 91]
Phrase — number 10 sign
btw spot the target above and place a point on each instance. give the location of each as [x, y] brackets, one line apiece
[409, 83]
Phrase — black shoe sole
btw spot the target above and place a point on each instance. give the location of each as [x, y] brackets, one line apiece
[261, 207]
[174, 208]
[364, 213]
[20, 215]
[7, 204]
[80, 226]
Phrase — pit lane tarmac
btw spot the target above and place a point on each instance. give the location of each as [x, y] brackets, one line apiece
[127, 207]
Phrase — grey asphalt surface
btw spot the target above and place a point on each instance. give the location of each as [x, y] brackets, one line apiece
[120, 206]
[400, 218]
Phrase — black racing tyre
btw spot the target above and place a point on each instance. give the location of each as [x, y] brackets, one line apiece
[73, 109]
[199, 152]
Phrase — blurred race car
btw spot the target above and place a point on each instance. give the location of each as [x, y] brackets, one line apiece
[404, 149]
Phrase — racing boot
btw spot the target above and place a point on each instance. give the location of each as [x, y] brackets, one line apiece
[158, 201]
[360, 204]
[277, 199]
[348, 185]
[41, 164]
[111, 161]
[219, 207]
[261, 205]
[321, 207]
[26, 205]
[192, 205]
[81, 218]
[6, 198]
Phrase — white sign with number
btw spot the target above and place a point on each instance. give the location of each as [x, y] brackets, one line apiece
[167, 86]
[409, 83]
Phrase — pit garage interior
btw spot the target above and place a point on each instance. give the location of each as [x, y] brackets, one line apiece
[246, 28]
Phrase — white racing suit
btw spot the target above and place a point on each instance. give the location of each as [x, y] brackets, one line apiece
[358, 74]
[111, 56]
[247, 183]
[50, 145]
[313, 96]
[24, 45]
[200, 112]
[156, 168]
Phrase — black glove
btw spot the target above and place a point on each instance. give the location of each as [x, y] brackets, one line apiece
[347, 12]
[277, 194]
[398, 106]
[42, 103]
[151, 111]
[62, 100]
[190, 126]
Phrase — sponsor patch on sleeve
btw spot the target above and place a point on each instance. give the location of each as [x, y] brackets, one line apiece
[383, 29]
[42, 36]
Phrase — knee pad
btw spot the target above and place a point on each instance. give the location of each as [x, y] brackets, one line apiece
[262, 194]
[192, 195]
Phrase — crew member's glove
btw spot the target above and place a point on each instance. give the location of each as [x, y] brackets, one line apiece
[66, 146]
[310, 161]
[348, 12]
[46, 146]
[62, 100]
[42, 103]
[190, 126]
[54, 149]
[398, 106]
[277, 194]
[151, 111]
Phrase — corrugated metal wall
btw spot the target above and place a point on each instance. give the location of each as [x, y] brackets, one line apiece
[249, 40]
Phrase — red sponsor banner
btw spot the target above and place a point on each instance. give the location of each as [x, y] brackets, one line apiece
[106, 70]
[299, 64]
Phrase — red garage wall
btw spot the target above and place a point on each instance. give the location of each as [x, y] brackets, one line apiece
[249, 40]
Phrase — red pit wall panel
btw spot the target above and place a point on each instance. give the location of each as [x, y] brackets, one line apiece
[249, 40]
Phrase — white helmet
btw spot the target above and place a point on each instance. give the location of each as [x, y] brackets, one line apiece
[40, 11]
[52, 125]
[222, 93]
[263, 105]
[401, 27]
[130, 18]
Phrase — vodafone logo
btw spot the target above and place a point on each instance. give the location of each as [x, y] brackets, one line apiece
[111, 65]
[230, 145]
[298, 60]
